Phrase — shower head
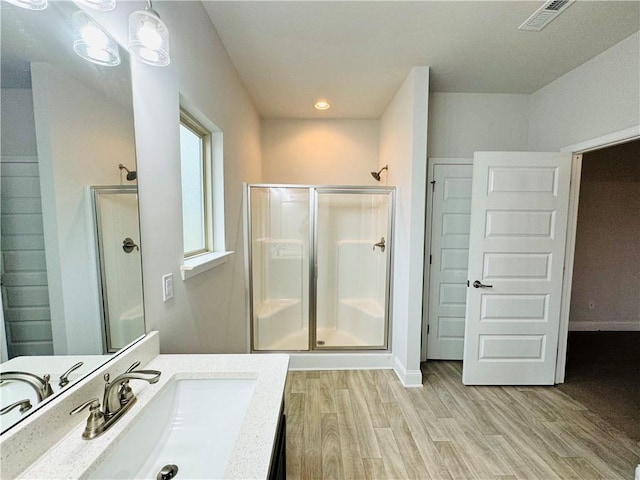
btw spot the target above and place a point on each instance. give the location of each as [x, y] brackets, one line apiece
[376, 175]
[131, 175]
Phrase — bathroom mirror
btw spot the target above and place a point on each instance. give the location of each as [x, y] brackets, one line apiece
[71, 287]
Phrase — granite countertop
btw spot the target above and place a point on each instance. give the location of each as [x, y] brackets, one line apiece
[73, 457]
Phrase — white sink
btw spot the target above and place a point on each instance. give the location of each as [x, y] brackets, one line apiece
[192, 423]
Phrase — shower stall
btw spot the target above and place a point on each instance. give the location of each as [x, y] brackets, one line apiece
[319, 267]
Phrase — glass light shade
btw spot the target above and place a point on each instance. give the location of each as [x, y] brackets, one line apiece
[92, 43]
[101, 5]
[30, 4]
[149, 38]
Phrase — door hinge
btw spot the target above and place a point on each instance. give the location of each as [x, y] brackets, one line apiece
[430, 258]
[467, 283]
[433, 185]
[428, 328]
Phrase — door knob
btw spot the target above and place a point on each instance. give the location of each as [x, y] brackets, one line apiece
[478, 284]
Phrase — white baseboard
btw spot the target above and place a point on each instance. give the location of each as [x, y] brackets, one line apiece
[340, 361]
[604, 326]
[409, 378]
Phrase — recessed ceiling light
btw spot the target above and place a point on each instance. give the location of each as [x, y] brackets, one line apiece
[322, 105]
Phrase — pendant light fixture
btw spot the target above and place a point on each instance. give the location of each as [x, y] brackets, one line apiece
[92, 43]
[149, 37]
[100, 5]
[30, 4]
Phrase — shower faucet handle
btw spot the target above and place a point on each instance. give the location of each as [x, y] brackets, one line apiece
[380, 244]
[128, 245]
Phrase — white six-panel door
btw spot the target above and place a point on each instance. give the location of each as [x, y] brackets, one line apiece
[449, 256]
[516, 254]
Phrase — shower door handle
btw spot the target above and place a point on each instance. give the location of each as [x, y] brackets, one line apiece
[380, 244]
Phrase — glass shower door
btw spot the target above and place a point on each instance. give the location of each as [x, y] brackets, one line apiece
[279, 267]
[352, 259]
[120, 264]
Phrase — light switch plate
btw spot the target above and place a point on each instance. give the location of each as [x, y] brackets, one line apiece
[167, 287]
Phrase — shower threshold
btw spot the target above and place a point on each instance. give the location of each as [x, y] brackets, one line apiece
[325, 337]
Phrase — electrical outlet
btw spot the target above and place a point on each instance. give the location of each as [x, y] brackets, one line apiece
[592, 304]
[167, 287]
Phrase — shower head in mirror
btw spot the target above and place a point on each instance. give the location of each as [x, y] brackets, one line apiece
[376, 175]
[131, 174]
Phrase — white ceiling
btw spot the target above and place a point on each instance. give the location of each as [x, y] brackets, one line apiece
[356, 54]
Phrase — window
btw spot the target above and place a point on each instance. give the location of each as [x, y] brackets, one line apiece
[202, 172]
[195, 159]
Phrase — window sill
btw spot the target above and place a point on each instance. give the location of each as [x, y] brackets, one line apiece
[197, 265]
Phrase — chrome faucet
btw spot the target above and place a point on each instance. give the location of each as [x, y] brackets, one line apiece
[117, 400]
[118, 393]
[40, 384]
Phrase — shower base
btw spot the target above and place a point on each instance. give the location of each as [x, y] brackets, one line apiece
[329, 337]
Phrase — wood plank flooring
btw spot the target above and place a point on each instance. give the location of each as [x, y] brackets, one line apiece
[365, 425]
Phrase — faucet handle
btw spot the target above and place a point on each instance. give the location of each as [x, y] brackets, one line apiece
[93, 404]
[64, 378]
[23, 404]
[126, 392]
[133, 366]
[96, 420]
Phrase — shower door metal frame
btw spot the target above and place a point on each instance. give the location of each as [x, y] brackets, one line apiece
[313, 191]
[313, 297]
[96, 191]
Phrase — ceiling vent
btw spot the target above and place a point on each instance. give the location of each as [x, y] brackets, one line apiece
[545, 15]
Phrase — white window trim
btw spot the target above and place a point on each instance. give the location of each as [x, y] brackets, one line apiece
[192, 123]
[193, 266]
[217, 254]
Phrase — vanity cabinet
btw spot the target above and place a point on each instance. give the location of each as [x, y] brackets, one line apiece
[278, 469]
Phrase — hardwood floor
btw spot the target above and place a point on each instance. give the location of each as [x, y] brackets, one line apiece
[365, 425]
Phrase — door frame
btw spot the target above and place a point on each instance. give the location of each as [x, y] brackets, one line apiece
[431, 163]
[614, 138]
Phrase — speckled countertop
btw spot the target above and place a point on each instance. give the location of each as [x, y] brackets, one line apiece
[74, 457]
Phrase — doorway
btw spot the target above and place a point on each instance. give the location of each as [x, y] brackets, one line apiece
[604, 321]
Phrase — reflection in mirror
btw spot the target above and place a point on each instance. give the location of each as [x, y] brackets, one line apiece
[67, 126]
[116, 219]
